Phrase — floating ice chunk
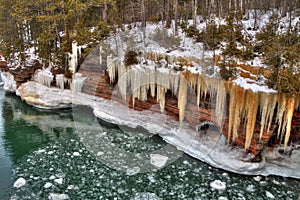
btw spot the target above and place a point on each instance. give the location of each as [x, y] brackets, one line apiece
[217, 184]
[100, 153]
[52, 177]
[41, 151]
[257, 178]
[50, 152]
[269, 195]
[47, 185]
[222, 198]
[158, 160]
[19, 183]
[145, 195]
[58, 181]
[250, 188]
[54, 196]
[76, 154]
[71, 187]
[132, 171]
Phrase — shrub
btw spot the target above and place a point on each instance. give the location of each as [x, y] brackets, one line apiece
[130, 58]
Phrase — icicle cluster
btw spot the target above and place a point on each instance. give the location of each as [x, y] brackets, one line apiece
[245, 106]
[44, 77]
[77, 83]
[60, 81]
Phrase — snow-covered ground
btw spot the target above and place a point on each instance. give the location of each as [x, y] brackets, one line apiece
[211, 149]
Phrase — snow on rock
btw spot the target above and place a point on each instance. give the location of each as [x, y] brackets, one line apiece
[54, 196]
[158, 160]
[217, 184]
[47, 185]
[40, 96]
[20, 183]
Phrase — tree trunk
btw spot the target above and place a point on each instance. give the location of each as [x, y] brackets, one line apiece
[195, 6]
[176, 16]
[168, 17]
[284, 8]
[104, 14]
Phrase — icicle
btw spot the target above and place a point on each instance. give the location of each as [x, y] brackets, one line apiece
[111, 66]
[77, 83]
[122, 80]
[280, 112]
[60, 82]
[182, 97]
[270, 111]
[220, 103]
[152, 80]
[252, 107]
[289, 115]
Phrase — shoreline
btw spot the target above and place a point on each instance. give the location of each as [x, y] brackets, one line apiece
[211, 150]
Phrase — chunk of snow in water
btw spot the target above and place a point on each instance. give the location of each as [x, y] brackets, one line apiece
[269, 195]
[217, 184]
[54, 196]
[76, 154]
[50, 152]
[47, 185]
[71, 187]
[58, 181]
[257, 178]
[145, 195]
[132, 171]
[100, 153]
[250, 188]
[222, 198]
[41, 151]
[19, 183]
[52, 177]
[158, 160]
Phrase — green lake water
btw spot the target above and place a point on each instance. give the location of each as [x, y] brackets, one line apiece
[62, 154]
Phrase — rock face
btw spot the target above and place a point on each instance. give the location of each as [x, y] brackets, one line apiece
[98, 83]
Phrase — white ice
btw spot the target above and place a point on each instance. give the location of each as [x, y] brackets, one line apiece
[19, 183]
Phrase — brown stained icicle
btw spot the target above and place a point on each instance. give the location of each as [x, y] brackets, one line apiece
[251, 109]
[182, 97]
[236, 110]
[289, 115]
[280, 113]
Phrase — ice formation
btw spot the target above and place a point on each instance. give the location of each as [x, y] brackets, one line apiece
[219, 185]
[77, 83]
[44, 77]
[60, 81]
[20, 183]
[10, 84]
[247, 107]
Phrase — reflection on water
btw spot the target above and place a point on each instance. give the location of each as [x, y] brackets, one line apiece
[59, 157]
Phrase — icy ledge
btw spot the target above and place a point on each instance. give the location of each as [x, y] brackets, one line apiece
[211, 150]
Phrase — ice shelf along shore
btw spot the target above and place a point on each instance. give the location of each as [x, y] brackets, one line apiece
[245, 104]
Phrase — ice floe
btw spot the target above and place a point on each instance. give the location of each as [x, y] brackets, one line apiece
[158, 160]
[217, 184]
[20, 183]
